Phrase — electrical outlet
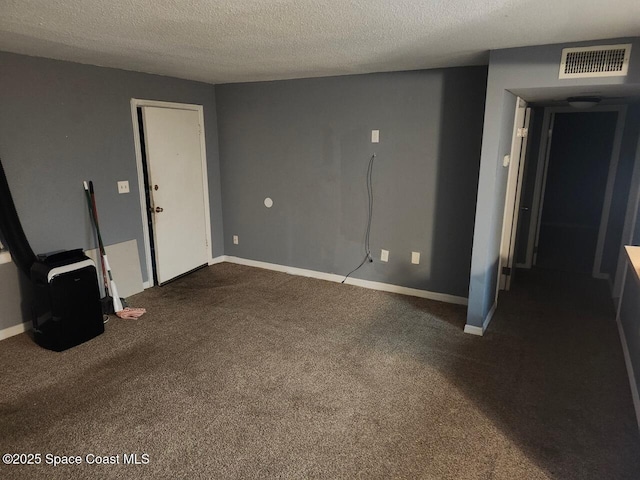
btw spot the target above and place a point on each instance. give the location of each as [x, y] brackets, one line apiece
[235, 239]
[415, 258]
[123, 186]
[384, 255]
[375, 136]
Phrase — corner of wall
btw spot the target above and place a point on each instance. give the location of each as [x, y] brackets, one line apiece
[475, 330]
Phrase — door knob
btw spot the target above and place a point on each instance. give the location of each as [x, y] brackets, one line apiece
[159, 209]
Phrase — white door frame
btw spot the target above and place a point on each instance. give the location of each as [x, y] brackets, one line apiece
[541, 180]
[512, 263]
[538, 188]
[135, 103]
[512, 196]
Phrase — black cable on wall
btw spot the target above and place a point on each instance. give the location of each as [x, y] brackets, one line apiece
[367, 237]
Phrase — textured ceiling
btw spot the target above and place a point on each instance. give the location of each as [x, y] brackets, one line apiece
[220, 41]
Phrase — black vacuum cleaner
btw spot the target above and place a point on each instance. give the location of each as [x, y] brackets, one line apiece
[66, 309]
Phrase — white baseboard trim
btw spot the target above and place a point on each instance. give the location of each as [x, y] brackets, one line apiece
[601, 276]
[331, 277]
[15, 330]
[473, 330]
[635, 395]
[218, 259]
[5, 257]
[487, 320]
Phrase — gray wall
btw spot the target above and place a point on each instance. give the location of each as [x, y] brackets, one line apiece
[630, 319]
[62, 123]
[306, 144]
[513, 69]
[502, 132]
[612, 247]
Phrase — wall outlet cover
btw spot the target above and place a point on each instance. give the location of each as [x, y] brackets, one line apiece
[123, 186]
[235, 239]
[384, 255]
[375, 136]
[415, 258]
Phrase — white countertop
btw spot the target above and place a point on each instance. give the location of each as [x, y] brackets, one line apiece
[634, 259]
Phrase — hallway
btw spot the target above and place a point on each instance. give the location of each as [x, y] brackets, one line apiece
[575, 399]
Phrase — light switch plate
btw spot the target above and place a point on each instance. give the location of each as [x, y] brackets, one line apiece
[415, 258]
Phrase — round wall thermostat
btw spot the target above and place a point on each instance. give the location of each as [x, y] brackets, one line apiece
[268, 202]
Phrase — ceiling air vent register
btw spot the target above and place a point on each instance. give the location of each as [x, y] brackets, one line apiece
[598, 61]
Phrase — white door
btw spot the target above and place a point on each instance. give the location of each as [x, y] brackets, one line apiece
[177, 192]
[514, 189]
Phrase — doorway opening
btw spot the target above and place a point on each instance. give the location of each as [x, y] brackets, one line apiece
[568, 188]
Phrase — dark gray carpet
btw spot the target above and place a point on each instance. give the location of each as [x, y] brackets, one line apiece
[243, 373]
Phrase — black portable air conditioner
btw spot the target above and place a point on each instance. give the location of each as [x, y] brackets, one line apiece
[66, 307]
